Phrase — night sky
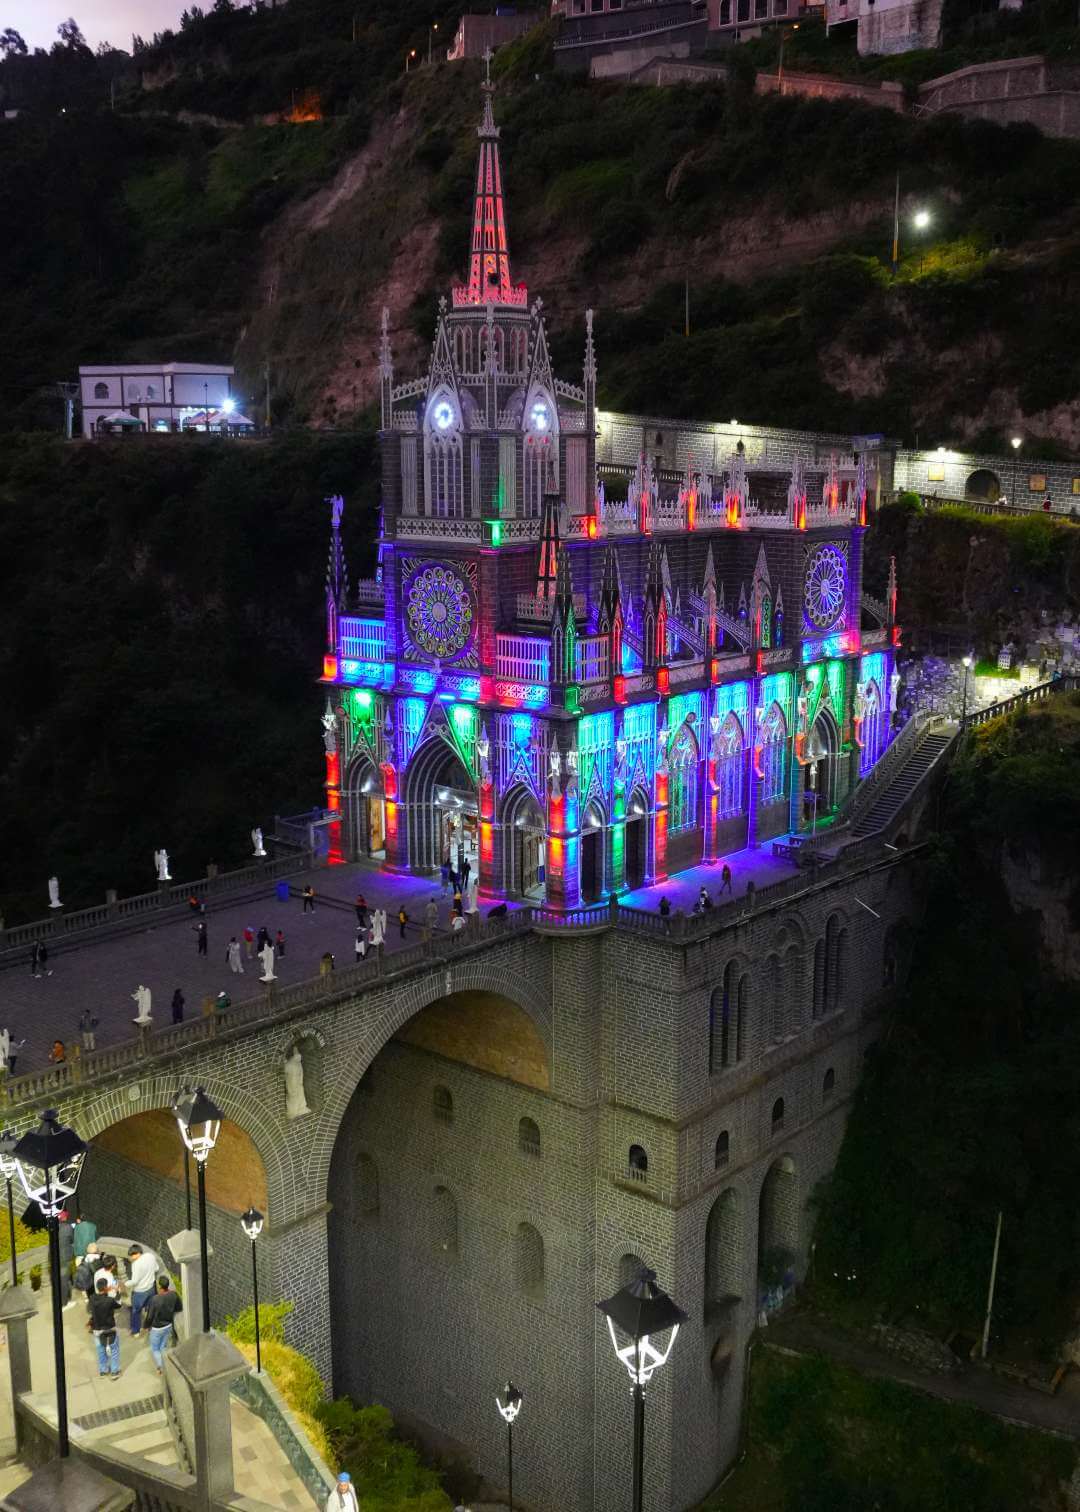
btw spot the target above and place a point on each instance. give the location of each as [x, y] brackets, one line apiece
[101, 20]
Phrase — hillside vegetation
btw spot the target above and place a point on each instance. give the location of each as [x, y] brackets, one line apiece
[281, 243]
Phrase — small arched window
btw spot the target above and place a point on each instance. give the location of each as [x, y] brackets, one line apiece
[778, 1115]
[630, 1268]
[529, 1137]
[444, 1221]
[639, 1164]
[442, 1105]
[101, 390]
[723, 1150]
[529, 1261]
[367, 1186]
[828, 1084]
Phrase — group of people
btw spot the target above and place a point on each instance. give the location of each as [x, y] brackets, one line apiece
[146, 1289]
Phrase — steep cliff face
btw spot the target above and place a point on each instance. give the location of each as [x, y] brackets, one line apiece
[1047, 887]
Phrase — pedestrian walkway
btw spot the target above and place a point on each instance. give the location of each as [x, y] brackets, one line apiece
[128, 1413]
[807, 1333]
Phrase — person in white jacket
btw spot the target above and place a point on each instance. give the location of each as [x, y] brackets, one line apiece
[343, 1497]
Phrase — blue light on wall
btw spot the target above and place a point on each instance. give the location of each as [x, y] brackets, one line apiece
[418, 678]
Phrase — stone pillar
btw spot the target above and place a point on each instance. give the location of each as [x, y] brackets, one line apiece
[184, 1248]
[201, 1373]
[17, 1307]
[70, 1484]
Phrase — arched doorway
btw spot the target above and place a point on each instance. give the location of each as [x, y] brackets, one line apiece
[636, 839]
[592, 854]
[983, 485]
[822, 748]
[441, 803]
[524, 845]
[873, 727]
[778, 1230]
[366, 810]
[685, 826]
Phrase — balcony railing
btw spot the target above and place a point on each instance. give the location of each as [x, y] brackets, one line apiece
[592, 659]
[525, 657]
[361, 639]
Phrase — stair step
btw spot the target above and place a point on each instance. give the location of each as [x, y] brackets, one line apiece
[121, 1431]
[148, 1439]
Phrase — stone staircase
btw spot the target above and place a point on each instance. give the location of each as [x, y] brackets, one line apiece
[888, 803]
[140, 1428]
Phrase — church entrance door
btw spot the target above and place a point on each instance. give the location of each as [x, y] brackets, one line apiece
[592, 864]
[635, 852]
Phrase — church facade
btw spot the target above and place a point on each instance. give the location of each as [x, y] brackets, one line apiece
[579, 678]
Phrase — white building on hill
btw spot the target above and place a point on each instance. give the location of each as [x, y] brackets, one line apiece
[161, 396]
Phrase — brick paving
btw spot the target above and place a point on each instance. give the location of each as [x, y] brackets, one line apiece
[101, 974]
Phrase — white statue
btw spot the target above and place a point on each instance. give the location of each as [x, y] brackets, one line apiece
[54, 893]
[620, 760]
[295, 1101]
[258, 848]
[141, 997]
[266, 956]
[555, 771]
[329, 724]
[161, 861]
[571, 774]
[894, 690]
[803, 708]
[483, 751]
[472, 896]
[860, 700]
[661, 752]
[378, 926]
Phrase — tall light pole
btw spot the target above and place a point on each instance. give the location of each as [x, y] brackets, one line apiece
[206, 407]
[967, 660]
[9, 1169]
[199, 1122]
[432, 29]
[409, 56]
[1016, 442]
[639, 1312]
[784, 35]
[251, 1222]
[49, 1162]
[509, 1405]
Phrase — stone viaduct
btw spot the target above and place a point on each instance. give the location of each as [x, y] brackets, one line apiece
[500, 1129]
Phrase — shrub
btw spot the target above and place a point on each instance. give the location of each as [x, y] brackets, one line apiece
[388, 1469]
[272, 1315]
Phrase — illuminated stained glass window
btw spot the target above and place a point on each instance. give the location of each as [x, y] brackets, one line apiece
[730, 765]
[872, 725]
[683, 783]
[773, 755]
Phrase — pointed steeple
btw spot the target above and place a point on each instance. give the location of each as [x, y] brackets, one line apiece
[589, 372]
[548, 561]
[337, 574]
[778, 617]
[386, 369]
[540, 374]
[890, 592]
[609, 620]
[654, 613]
[708, 593]
[563, 623]
[489, 255]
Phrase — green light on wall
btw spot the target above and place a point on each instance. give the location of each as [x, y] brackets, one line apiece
[361, 698]
[572, 699]
[495, 527]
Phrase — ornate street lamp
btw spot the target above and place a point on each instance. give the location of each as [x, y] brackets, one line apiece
[252, 1222]
[509, 1405]
[9, 1170]
[967, 660]
[639, 1312]
[199, 1122]
[49, 1162]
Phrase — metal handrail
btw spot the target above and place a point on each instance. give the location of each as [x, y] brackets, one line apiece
[1037, 694]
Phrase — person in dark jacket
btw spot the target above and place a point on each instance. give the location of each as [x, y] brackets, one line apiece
[159, 1314]
[102, 1310]
[178, 1007]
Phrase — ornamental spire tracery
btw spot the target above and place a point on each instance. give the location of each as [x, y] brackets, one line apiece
[489, 257]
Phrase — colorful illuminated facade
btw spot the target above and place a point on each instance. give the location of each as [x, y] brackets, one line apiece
[584, 686]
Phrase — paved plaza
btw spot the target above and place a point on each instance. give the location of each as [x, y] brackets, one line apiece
[102, 973]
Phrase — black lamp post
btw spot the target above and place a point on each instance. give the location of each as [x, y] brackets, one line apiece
[509, 1405]
[49, 1162]
[639, 1312]
[9, 1169]
[199, 1122]
[251, 1222]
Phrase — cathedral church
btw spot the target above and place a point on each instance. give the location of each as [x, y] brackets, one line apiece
[583, 679]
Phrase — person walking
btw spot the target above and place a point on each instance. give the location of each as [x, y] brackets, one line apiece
[87, 1024]
[279, 942]
[326, 963]
[466, 868]
[65, 1233]
[57, 1055]
[102, 1309]
[9, 1051]
[144, 1270]
[361, 943]
[361, 910]
[431, 917]
[107, 1272]
[457, 904]
[343, 1497]
[704, 902]
[158, 1315]
[665, 913]
[309, 899]
[178, 1007]
[249, 942]
[725, 879]
[84, 1235]
[232, 955]
[200, 937]
[39, 957]
[403, 919]
[262, 939]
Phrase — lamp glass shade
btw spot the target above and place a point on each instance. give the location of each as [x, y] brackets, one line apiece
[9, 1166]
[252, 1222]
[199, 1122]
[638, 1312]
[509, 1402]
[49, 1162]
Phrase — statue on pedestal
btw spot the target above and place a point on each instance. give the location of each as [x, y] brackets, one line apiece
[296, 1105]
[266, 956]
[258, 849]
[894, 690]
[54, 893]
[161, 862]
[329, 724]
[141, 997]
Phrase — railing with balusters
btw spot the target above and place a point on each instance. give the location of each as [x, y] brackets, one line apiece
[526, 657]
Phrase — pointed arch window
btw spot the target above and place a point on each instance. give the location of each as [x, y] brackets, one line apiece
[773, 755]
[101, 390]
[444, 481]
[765, 624]
[683, 783]
[871, 727]
[730, 768]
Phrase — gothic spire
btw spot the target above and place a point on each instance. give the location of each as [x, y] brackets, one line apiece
[563, 622]
[589, 373]
[489, 256]
[547, 564]
[386, 369]
[337, 574]
[654, 613]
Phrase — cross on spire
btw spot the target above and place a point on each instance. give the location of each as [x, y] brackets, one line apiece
[487, 56]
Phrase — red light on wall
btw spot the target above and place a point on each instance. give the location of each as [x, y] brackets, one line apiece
[330, 668]
[760, 663]
[555, 814]
[620, 689]
[714, 670]
[691, 509]
[333, 800]
[389, 777]
[333, 769]
[661, 789]
[487, 844]
[487, 806]
[592, 527]
[663, 680]
[390, 810]
[896, 635]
